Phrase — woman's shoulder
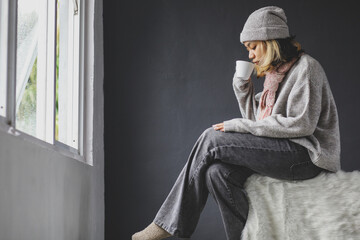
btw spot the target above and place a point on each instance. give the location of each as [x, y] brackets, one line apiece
[308, 63]
[310, 67]
[306, 70]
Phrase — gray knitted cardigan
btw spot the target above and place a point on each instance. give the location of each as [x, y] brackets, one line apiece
[304, 112]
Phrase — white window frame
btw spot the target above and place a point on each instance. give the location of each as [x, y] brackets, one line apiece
[8, 8]
[69, 100]
[3, 58]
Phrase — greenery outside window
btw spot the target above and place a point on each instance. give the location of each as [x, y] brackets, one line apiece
[42, 71]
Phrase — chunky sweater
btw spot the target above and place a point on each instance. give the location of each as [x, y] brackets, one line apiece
[304, 112]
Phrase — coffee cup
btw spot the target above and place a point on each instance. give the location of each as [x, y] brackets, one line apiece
[244, 69]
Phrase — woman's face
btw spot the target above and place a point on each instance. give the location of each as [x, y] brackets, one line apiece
[256, 50]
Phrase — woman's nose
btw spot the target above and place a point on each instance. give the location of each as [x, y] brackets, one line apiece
[251, 55]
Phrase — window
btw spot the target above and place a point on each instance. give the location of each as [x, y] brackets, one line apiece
[42, 72]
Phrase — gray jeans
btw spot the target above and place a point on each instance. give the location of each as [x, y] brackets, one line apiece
[219, 164]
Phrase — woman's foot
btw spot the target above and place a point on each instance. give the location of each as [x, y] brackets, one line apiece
[151, 232]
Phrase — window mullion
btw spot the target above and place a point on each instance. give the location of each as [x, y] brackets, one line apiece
[50, 72]
[76, 84]
[81, 124]
[11, 62]
[46, 73]
[3, 56]
[41, 72]
[70, 84]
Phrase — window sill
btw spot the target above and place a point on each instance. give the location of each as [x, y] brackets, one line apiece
[58, 147]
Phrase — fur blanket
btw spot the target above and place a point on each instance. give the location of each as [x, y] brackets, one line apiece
[326, 207]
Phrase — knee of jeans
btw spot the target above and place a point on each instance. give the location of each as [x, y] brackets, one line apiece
[210, 136]
[208, 132]
[216, 173]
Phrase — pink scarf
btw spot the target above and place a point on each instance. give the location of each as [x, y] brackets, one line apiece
[271, 84]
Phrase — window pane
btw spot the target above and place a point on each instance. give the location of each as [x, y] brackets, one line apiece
[26, 112]
[67, 74]
[26, 65]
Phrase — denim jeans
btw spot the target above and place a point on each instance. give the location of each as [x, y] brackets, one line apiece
[219, 164]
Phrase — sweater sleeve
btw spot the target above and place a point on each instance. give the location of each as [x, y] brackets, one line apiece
[303, 109]
[244, 92]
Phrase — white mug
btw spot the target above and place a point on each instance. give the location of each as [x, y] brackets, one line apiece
[244, 69]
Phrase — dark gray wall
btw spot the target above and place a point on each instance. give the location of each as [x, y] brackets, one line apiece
[168, 75]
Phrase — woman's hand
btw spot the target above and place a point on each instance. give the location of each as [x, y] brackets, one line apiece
[219, 126]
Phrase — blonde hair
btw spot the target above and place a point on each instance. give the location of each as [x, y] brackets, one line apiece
[274, 55]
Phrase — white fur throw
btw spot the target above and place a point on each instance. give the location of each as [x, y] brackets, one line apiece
[326, 207]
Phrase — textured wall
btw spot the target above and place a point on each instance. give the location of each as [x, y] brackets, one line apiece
[168, 75]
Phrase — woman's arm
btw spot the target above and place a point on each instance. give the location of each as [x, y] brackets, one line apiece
[303, 110]
[244, 92]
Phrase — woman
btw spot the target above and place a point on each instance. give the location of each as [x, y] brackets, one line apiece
[291, 133]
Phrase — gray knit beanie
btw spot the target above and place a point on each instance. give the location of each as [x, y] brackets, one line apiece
[264, 24]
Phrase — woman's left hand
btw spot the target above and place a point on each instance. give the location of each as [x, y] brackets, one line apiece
[219, 126]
